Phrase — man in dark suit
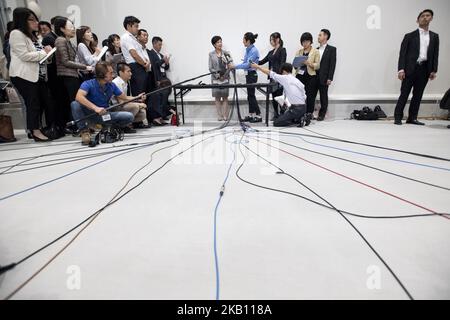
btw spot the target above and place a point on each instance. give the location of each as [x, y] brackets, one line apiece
[326, 71]
[160, 64]
[418, 62]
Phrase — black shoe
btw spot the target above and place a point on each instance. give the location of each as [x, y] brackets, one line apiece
[247, 119]
[398, 122]
[275, 117]
[320, 118]
[308, 118]
[448, 127]
[301, 122]
[129, 130]
[256, 120]
[417, 123]
[140, 125]
[51, 133]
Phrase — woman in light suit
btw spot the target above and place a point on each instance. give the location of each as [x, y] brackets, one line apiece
[219, 61]
[307, 73]
[27, 75]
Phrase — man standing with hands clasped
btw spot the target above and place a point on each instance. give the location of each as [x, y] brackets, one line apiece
[418, 62]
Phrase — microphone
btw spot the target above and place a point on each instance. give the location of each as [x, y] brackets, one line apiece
[227, 57]
[70, 124]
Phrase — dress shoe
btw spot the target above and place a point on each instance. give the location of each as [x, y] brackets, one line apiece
[255, 120]
[36, 139]
[308, 118]
[320, 118]
[417, 123]
[398, 122]
[129, 130]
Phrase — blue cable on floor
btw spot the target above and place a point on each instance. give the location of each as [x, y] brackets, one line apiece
[373, 156]
[216, 256]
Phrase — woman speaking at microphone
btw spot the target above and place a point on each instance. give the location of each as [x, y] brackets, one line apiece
[219, 61]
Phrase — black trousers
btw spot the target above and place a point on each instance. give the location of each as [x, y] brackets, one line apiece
[278, 92]
[417, 81]
[48, 106]
[293, 114]
[37, 99]
[69, 86]
[139, 80]
[311, 84]
[323, 89]
[253, 106]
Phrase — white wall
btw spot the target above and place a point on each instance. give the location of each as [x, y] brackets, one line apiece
[367, 59]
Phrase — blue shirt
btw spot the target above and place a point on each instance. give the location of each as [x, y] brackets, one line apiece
[251, 53]
[100, 96]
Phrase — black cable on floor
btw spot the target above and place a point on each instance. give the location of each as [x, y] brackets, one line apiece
[361, 164]
[93, 217]
[347, 220]
[362, 144]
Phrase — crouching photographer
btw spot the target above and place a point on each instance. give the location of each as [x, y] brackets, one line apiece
[94, 97]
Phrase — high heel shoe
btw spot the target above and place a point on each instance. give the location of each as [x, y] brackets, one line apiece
[37, 139]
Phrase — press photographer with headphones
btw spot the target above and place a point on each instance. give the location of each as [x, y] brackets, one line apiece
[94, 96]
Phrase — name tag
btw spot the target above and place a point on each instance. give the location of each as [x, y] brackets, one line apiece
[106, 117]
[301, 72]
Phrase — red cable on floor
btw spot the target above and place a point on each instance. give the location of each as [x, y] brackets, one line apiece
[354, 180]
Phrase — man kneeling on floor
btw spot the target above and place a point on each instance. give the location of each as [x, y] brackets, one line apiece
[294, 91]
[93, 97]
[138, 109]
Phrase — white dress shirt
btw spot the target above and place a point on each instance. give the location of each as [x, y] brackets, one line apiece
[129, 42]
[322, 50]
[122, 85]
[424, 43]
[85, 56]
[294, 90]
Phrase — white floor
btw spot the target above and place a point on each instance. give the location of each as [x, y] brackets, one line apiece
[157, 242]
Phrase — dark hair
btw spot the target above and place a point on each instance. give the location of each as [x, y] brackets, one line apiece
[20, 19]
[286, 67]
[306, 36]
[141, 31]
[327, 32]
[101, 69]
[215, 39]
[277, 35]
[424, 11]
[251, 37]
[121, 67]
[130, 21]
[52, 20]
[104, 42]
[94, 43]
[156, 40]
[60, 22]
[80, 37]
[9, 28]
[110, 44]
[45, 23]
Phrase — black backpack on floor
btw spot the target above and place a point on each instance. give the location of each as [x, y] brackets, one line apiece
[365, 114]
[445, 102]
